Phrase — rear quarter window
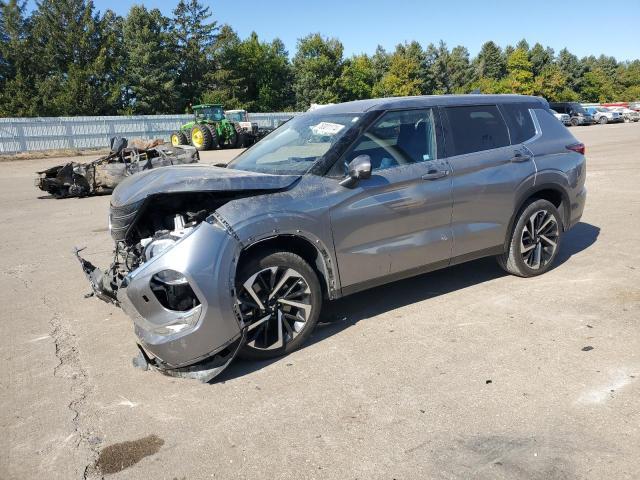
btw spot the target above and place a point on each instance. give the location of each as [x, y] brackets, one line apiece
[476, 128]
[519, 121]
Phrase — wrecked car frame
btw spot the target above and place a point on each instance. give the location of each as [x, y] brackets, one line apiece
[101, 176]
[215, 262]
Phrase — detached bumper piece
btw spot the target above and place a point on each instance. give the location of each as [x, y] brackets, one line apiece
[102, 286]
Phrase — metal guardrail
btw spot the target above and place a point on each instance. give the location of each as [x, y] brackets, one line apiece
[56, 133]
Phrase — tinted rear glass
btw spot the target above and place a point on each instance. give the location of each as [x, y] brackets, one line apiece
[477, 128]
[519, 120]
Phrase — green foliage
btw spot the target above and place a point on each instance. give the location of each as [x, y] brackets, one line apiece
[194, 37]
[251, 74]
[357, 79]
[404, 75]
[64, 58]
[317, 66]
[520, 75]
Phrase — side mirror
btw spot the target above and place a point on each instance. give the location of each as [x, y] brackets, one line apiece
[359, 169]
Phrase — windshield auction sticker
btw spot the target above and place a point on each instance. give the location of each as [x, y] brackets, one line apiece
[326, 128]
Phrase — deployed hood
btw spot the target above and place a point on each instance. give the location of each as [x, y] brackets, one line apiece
[194, 178]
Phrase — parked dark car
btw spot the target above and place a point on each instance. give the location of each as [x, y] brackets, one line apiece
[579, 116]
[211, 262]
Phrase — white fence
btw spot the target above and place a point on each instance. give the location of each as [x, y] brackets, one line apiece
[53, 133]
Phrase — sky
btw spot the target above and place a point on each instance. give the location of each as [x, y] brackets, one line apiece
[585, 27]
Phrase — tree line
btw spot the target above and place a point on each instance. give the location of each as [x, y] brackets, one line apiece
[65, 58]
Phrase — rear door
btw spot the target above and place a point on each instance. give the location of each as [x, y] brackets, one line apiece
[399, 219]
[490, 165]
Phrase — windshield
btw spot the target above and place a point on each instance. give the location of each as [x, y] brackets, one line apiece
[293, 148]
[576, 107]
[601, 109]
[215, 114]
[235, 116]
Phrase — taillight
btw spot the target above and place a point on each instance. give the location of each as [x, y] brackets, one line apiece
[576, 147]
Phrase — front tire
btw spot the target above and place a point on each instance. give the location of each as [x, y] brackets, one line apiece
[201, 137]
[279, 298]
[535, 240]
[603, 120]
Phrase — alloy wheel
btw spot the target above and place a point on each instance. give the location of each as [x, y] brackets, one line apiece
[275, 305]
[539, 240]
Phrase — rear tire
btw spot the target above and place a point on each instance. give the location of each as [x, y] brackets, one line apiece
[603, 120]
[178, 138]
[535, 240]
[278, 296]
[215, 142]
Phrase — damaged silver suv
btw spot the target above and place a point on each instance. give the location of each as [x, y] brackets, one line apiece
[213, 262]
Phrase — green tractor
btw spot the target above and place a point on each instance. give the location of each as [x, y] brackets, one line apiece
[209, 129]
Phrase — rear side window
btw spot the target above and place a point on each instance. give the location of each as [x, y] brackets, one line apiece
[477, 128]
[519, 120]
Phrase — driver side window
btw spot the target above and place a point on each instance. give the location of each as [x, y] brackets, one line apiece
[398, 138]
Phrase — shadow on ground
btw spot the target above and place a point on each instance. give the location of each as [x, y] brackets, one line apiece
[347, 311]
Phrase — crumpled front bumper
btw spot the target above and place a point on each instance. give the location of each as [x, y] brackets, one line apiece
[206, 258]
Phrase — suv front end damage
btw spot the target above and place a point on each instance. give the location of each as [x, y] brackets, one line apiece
[179, 294]
[174, 265]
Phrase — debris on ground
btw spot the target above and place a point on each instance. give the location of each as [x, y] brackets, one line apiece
[587, 348]
[101, 176]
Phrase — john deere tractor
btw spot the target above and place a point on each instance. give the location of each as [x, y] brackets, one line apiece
[209, 129]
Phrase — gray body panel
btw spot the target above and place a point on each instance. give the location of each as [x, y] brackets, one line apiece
[392, 225]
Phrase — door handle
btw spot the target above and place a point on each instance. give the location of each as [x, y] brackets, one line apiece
[435, 174]
[520, 157]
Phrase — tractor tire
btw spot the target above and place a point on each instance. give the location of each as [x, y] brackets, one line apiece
[245, 140]
[201, 137]
[232, 138]
[215, 141]
[178, 138]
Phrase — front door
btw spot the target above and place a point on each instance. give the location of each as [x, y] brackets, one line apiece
[399, 220]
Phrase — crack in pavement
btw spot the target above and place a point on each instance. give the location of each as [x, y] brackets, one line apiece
[70, 367]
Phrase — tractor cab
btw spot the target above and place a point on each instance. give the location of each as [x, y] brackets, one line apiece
[208, 112]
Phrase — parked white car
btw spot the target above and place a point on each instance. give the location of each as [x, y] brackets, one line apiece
[603, 115]
[628, 114]
[563, 117]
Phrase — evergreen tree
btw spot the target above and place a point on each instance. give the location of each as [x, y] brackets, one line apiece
[78, 69]
[194, 37]
[540, 58]
[572, 68]
[150, 72]
[380, 63]
[16, 81]
[459, 69]
[490, 63]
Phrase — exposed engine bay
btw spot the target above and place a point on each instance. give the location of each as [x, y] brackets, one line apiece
[142, 234]
[102, 175]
